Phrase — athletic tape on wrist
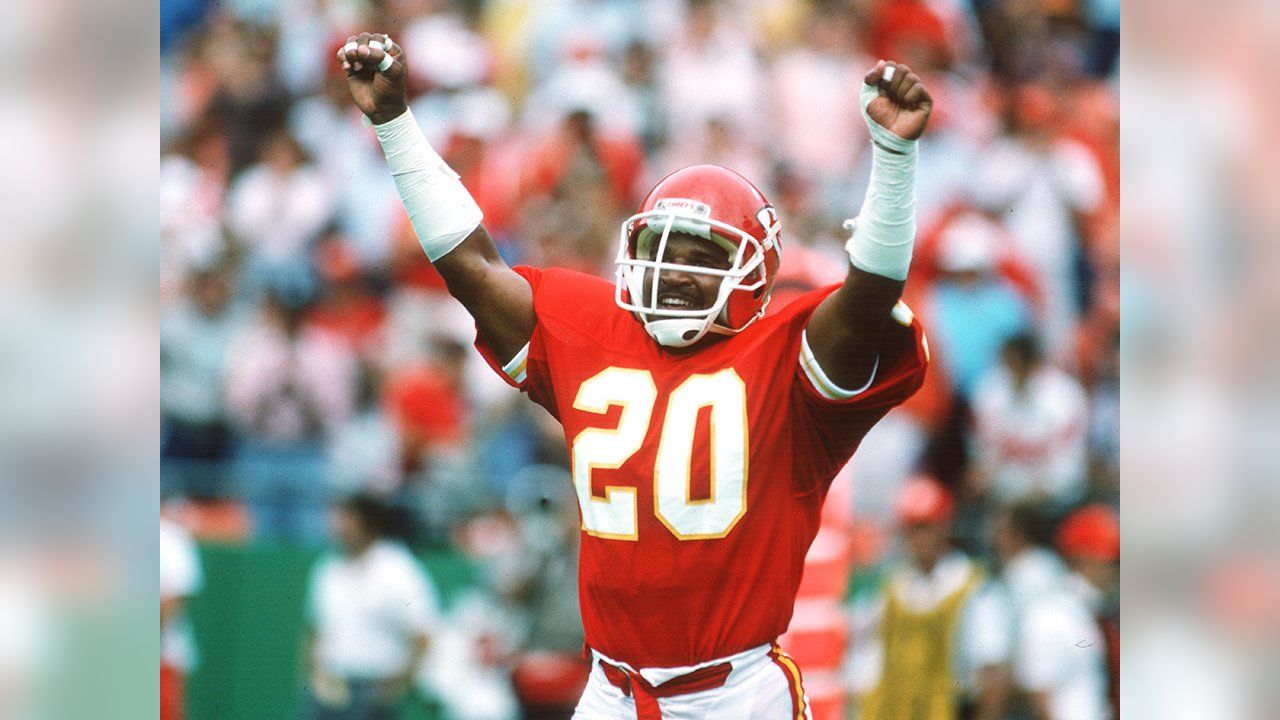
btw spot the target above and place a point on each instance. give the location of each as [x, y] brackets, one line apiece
[440, 209]
[881, 135]
[885, 230]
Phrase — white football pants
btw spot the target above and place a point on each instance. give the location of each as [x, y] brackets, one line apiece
[764, 684]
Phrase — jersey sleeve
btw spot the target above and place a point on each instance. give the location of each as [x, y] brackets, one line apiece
[527, 371]
[835, 419]
[896, 375]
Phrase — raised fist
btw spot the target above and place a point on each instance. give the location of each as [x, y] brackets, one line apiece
[375, 67]
[903, 105]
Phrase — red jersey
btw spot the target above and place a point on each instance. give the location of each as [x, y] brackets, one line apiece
[700, 473]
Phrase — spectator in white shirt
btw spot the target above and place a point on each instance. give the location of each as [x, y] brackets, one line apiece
[1059, 663]
[1089, 539]
[1031, 422]
[935, 641]
[372, 611]
[195, 336]
[180, 578]
[710, 70]
[288, 387]
[1028, 568]
[814, 92]
[277, 210]
[1044, 185]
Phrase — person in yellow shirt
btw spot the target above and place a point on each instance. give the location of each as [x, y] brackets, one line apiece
[933, 643]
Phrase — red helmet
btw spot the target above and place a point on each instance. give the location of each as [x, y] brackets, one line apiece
[723, 207]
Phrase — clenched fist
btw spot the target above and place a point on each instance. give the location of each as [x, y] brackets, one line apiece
[375, 67]
[904, 103]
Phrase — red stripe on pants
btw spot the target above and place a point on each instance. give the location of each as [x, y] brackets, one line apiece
[794, 681]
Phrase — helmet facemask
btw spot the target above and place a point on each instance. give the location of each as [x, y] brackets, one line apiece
[642, 252]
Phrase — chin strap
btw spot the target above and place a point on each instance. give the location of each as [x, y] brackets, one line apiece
[677, 332]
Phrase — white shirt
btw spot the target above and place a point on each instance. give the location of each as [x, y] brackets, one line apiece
[820, 126]
[367, 611]
[984, 634]
[1060, 649]
[180, 578]
[1033, 442]
[719, 77]
[190, 200]
[277, 214]
[1032, 574]
[1061, 652]
[193, 350]
[273, 381]
[1037, 192]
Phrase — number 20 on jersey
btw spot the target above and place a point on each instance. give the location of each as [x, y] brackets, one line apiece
[614, 515]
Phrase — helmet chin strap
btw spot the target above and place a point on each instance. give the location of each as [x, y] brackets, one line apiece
[683, 332]
[677, 332]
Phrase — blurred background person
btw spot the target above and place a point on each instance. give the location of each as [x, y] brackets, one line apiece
[1019, 541]
[815, 86]
[974, 307]
[1046, 185]
[541, 579]
[709, 70]
[277, 209]
[935, 640]
[577, 178]
[372, 611]
[1089, 539]
[365, 453]
[196, 334]
[1030, 425]
[180, 579]
[1060, 669]
[288, 386]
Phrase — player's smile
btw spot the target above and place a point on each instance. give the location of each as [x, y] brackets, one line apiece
[685, 291]
[689, 290]
[686, 298]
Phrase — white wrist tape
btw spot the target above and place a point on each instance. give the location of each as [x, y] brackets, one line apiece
[440, 209]
[885, 230]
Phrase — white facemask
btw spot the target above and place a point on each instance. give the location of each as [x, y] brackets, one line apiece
[679, 327]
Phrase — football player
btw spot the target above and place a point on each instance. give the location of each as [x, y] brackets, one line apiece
[703, 433]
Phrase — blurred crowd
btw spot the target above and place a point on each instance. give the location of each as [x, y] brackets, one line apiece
[309, 352]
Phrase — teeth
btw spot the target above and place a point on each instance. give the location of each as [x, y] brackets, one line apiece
[675, 302]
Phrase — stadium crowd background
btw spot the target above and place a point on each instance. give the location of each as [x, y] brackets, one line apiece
[308, 350]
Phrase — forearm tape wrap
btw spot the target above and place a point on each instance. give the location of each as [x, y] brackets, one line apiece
[440, 209]
[885, 230]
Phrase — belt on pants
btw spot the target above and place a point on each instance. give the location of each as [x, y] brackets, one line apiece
[646, 695]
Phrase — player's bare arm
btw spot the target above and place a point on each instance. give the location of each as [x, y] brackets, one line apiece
[845, 331]
[443, 214]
